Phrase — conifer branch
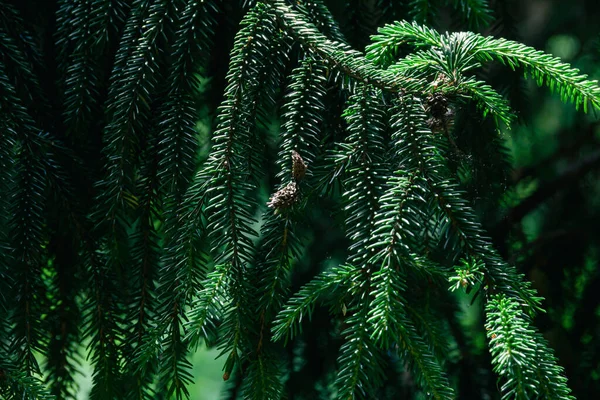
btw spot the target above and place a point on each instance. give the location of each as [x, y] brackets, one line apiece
[177, 136]
[263, 378]
[425, 155]
[571, 85]
[287, 324]
[387, 316]
[103, 313]
[185, 257]
[384, 49]
[487, 100]
[132, 84]
[230, 176]
[81, 72]
[422, 11]
[477, 12]
[303, 114]
[569, 82]
[26, 228]
[520, 354]
[18, 385]
[321, 17]
[210, 303]
[281, 248]
[21, 57]
[81, 80]
[145, 251]
[8, 143]
[184, 268]
[153, 261]
[63, 356]
[364, 169]
[501, 277]
[339, 56]
[360, 362]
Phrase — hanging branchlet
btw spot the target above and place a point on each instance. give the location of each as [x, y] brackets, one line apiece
[521, 356]
[500, 278]
[321, 17]
[303, 113]
[26, 230]
[177, 134]
[230, 177]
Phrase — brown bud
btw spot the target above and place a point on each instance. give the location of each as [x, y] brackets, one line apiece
[437, 105]
[442, 115]
[298, 166]
[284, 197]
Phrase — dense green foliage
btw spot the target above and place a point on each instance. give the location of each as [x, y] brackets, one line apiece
[325, 225]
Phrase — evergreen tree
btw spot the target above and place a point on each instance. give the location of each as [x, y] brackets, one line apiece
[319, 227]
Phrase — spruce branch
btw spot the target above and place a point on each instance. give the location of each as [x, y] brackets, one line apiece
[108, 21]
[360, 361]
[184, 258]
[184, 267]
[19, 385]
[230, 175]
[569, 82]
[520, 354]
[63, 356]
[302, 114]
[487, 100]
[81, 70]
[321, 17]
[287, 323]
[26, 224]
[263, 378]
[177, 136]
[339, 56]
[445, 68]
[154, 260]
[422, 11]
[384, 49]
[364, 169]
[281, 247]
[22, 59]
[210, 303]
[388, 319]
[27, 234]
[145, 251]
[391, 325]
[477, 12]
[8, 143]
[132, 85]
[424, 152]
[103, 313]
